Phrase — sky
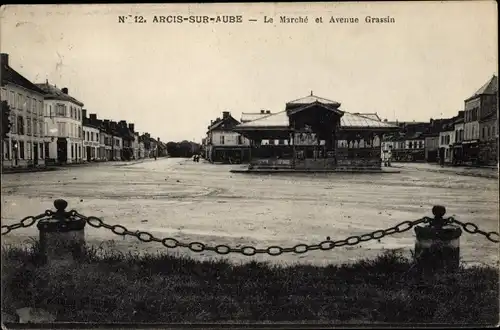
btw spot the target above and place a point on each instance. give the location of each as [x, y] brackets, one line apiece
[172, 79]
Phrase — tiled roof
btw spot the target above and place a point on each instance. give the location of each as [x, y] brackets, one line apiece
[313, 98]
[12, 76]
[53, 92]
[490, 87]
[249, 116]
[280, 119]
[354, 120]
[373, 116]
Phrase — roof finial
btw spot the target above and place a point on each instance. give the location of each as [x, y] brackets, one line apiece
[311, 93]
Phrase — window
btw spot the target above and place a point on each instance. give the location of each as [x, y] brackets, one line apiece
[97, 137]
[34, 104]
[3, 94]
[20, 125]
[71, 111]
[40, 151]
[60, 110]
[91, 136]
[6, 149]
[12, 97]
[21, 149]
[28, 126]
[46, 151]
[41, 131]
[40, 108]
[222, 139]
[87, 136]
[35, 127]
[79, 114]
[51, 113]
[19, 101]
[13, 120]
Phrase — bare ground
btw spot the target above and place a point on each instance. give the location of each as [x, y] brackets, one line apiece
[203, 202]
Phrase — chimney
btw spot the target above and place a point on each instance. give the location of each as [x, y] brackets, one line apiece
[225, 114]
[131, 127]
[93, 116]
[268, 111]
[84, 113]
[64, 90]
[262, 111]
[4, 59]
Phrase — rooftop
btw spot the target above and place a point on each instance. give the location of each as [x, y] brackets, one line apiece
[490, 87]
[9, 75]
[280, 119]
[52, 92]
[313, 98]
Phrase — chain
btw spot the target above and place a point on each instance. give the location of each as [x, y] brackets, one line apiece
[26, 222]
[472, 228]
[250, 250]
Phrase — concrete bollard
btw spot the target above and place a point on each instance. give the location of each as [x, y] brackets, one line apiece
[437, 246]
[62, 238]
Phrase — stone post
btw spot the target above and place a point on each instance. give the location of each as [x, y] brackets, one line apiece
[62, 238]
[437, 246]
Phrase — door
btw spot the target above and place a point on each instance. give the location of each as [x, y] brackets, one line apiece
[62, 150]
[89, 156]
[35, 154]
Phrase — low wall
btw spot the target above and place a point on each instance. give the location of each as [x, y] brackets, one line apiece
[316, 164]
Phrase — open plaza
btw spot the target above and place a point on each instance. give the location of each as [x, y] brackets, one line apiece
[203, 202]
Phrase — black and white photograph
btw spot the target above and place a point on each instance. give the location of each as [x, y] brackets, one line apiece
[262, 165]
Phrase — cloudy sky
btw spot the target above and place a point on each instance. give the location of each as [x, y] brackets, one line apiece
[172, 79]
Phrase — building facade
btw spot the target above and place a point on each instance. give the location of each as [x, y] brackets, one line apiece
[135, 146]
[446, 141]
[63, 124]
[25, 143]
[488, 124]
[91, 141]
[480, 114]
[225, 145]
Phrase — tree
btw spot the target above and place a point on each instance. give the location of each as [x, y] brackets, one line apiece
[6, 124]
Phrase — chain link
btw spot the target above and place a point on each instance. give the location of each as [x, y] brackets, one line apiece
[472, 228]
[26, 222]
[223, 249]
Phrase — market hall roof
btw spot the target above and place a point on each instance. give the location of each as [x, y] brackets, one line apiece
[347, 120]
[280, 119]
[313, 98]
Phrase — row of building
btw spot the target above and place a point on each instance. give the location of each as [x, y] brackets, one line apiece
[49, 126]
[470, 137]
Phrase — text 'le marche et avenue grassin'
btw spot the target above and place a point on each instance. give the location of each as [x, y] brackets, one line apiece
[283, 19]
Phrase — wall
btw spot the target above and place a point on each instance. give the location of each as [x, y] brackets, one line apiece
[65, 126]
[91, 138]
[471, 125]
[28, 105]
[230, 139]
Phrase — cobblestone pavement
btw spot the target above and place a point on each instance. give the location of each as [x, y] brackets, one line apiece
[205, 202]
